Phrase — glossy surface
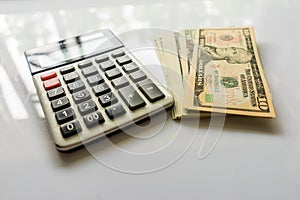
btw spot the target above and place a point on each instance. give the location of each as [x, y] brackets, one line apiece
[242, 158]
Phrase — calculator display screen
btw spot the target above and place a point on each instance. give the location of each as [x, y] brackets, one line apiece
[71, 50]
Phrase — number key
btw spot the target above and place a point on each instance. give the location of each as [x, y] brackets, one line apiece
[81, 96]
[55, 93]
[94, 80]
[101, 89]
[87, 107]
[93, 119]
[108, 99]
[70, 129]
[60, 104]
[65, 115]
[76, 86]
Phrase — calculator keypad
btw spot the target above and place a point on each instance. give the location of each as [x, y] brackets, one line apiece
[97, 91]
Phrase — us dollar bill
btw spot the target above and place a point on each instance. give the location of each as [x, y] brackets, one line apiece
[171, 51]
[226, 74]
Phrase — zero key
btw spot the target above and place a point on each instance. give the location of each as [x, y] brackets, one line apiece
[70, 129]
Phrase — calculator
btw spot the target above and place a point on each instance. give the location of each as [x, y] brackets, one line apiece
[91, 85]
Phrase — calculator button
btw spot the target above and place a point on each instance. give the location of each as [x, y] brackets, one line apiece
[150, 90]
[51, 83]
[123, 60]
[55, 93]
[132, 99]
[48, 76]
[89, 71]
[113, 73]
[131, 67]
[65, 116]
[87, 107]
[93, 119]
[107, 99]
[85, 63]
[70, 129]
[137, 76]
[115, 110]
[95, 79]
[101, 89]
[76, 86]
[120, 82]
[71, 77]
[107, 65]
[118, 53]
[67, 70]
[102, 58]
[81, 96]
[60, 104]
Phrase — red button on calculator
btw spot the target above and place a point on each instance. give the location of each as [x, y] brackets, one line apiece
[48, 76]
[51, 83]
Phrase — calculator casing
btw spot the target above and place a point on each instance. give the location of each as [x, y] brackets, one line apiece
[110, 125]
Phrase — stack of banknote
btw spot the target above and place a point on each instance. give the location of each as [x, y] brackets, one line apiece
[214, 71]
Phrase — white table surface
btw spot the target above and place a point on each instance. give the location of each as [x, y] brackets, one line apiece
[241, 158]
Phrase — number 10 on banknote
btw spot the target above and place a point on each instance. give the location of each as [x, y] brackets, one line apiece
[226, 74]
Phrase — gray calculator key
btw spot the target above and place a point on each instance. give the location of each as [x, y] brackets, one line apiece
[137, 76]
[85, 63]
[113, 73]
[71, 128]
[118, 53]
[123, 60]
[76, 86]
[107, 65]
[107, 99]
[89, 71]
[115, 110]
[67, 70]
[101, 89]
[93, 119]
[120, 82]
[87, 107]
[132, 99]
[150, 90]
[95, 80]
[102, 58]
[60, 104]
[130, 67]
[65, 116]
[71, 77]
[81, 96]
[56, 93]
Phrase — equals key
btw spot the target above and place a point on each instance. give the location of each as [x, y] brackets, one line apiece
[150, 90]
